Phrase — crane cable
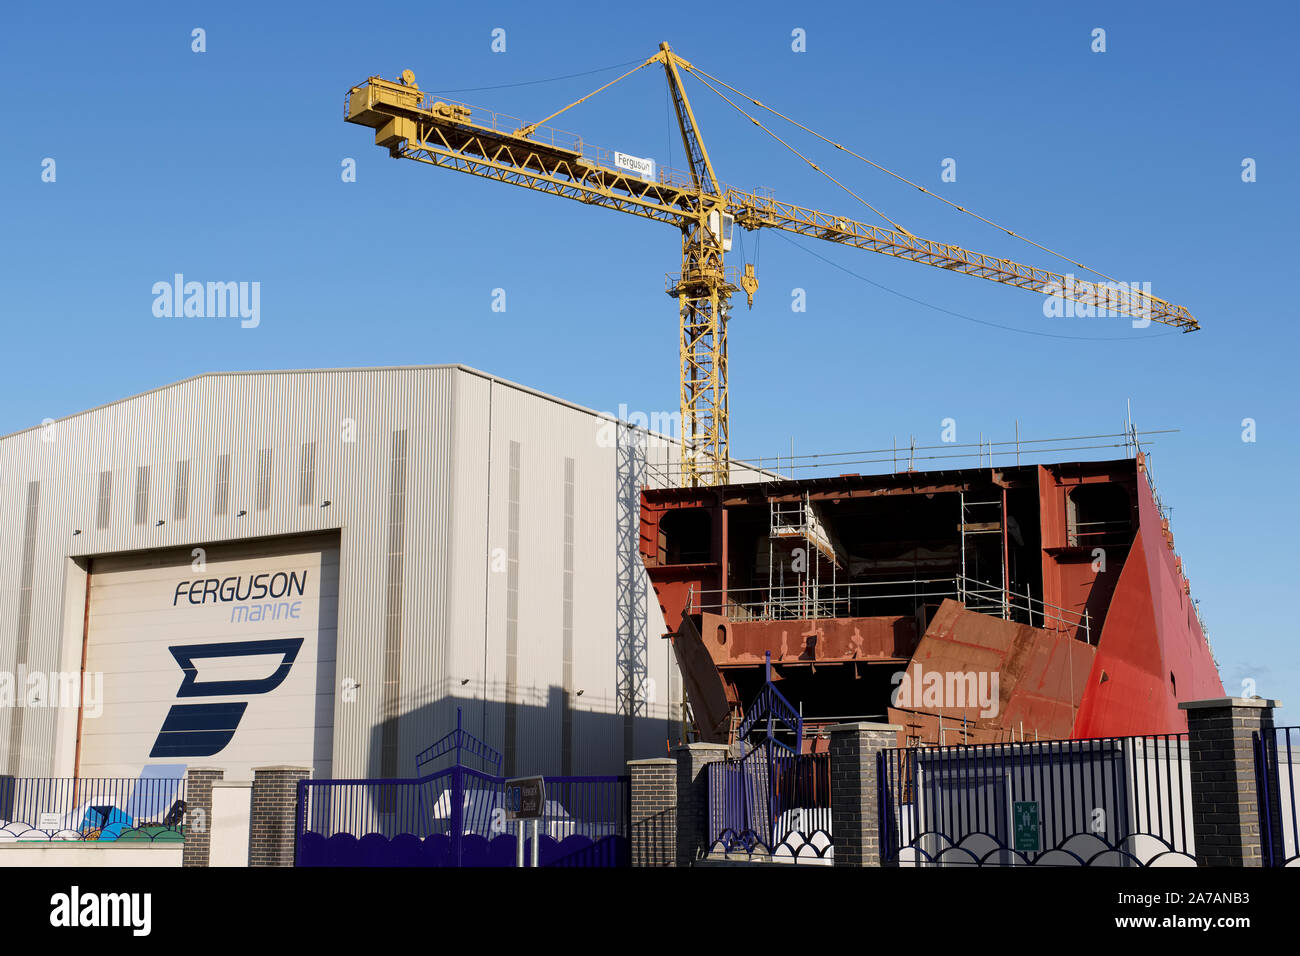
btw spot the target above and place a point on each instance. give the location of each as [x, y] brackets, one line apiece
[803, 247]
[547, 79]
[528, 130]
[700, 75]
[704, 78]
[797, 153]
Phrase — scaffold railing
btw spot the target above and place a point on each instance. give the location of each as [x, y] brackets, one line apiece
[801, 601]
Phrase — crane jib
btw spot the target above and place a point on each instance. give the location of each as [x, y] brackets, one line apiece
[412, 124]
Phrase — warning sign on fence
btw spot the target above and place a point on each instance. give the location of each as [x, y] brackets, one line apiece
[1024, 815]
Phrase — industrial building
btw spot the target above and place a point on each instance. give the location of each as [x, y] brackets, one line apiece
[319, 567]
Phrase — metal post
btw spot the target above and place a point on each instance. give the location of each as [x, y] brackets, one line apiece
[771, 556]
[537, 826]
[301, 814]
[834, 594]
[961, 498]
[1006, 560]
[457, 813]
[807, 557]
[771, 787]
[520, 840]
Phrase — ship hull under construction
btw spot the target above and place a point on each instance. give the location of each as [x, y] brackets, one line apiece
[997, 603]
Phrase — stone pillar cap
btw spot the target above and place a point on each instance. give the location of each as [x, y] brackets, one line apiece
[702, 746]
[1221, 702]
[651, 760]
[283, 767]
[861, 725]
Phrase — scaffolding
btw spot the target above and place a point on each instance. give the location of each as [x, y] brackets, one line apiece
[799, 537]
[983, 518]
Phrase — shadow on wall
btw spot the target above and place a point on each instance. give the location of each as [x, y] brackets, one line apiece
[596, 741]
[653, 839]
[326, 659]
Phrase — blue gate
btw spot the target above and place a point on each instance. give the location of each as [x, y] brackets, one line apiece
[772, 804]
[455, 816]
[775, 802]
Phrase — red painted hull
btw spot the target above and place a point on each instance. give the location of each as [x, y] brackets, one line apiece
[1152, 652]
[1114, 647]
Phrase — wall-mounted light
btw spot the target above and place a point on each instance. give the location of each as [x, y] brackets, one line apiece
[464, 681]
[326, 503]
[159, 523]
[580, 693]
[77, 532]
[241, 514]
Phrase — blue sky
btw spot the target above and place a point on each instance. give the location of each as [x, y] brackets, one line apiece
[225, 165]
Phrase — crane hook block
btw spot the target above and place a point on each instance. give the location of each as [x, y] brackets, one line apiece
[749, 282]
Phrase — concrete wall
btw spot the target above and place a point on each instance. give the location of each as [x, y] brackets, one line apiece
[231, 810]
[89, 856]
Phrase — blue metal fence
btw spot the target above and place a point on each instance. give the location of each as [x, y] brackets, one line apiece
[1115, 801]
[92, 808]
[457, 817]
[1277, 754]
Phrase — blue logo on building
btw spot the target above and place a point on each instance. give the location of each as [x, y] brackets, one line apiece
[201, 730]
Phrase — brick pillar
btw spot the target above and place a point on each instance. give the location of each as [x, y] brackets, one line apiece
[1225, 807]
[198, 814]
[693, 798]
[274, 815]
[654, 811]
[855, 793]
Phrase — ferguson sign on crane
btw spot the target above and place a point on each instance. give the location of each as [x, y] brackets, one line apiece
[642, 167]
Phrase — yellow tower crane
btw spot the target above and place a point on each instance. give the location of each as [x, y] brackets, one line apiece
[411, 124]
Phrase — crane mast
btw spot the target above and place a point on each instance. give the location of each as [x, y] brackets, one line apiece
[704, 305]
[414, 125]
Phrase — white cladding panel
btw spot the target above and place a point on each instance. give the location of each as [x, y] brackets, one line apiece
[275, 601]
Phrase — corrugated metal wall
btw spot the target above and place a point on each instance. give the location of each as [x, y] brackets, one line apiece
[424, 564]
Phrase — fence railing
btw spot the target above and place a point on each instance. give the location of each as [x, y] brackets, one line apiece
[101, 809]
[1115, 801]
[1277, 757]
[805, 600]
[458, 804]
